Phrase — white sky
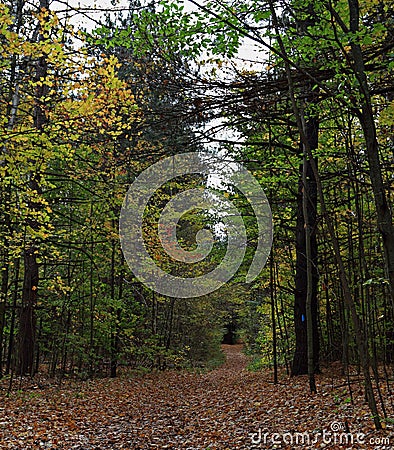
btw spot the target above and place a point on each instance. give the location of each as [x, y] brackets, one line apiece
[89, 12]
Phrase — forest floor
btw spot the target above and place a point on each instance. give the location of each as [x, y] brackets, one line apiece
[226, 408]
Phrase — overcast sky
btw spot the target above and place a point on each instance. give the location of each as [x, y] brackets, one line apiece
[85, 13]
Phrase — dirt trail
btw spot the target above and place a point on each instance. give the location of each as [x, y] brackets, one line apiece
[222, 409]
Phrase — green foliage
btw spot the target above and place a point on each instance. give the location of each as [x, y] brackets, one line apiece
[111, 111]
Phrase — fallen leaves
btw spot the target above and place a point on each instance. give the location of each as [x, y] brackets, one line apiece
[218, 410]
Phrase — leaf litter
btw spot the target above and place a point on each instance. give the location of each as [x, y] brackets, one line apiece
[229, 408]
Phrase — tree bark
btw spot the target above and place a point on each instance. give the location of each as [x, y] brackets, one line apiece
[309, 191]
[27, 323]
[27, 320]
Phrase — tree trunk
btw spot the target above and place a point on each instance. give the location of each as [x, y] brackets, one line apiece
[27, 320]
[366, 117]
[115, 316]
[12, 109]
[300, 359]
[27, 327]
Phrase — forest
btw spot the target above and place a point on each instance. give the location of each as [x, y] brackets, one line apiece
[196, 205]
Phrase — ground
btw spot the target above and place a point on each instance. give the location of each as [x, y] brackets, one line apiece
[227, 408]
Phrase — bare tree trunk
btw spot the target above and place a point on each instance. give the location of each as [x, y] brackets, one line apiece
[273, 319]
[115, 313]
[310, 285]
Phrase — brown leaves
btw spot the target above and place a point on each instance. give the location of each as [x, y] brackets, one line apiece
[220, 410]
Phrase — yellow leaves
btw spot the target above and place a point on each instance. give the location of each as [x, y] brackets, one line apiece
[386, 117]
[58, 286]
[372, 5]
[41, 233]
[97, 101]
[87, 106]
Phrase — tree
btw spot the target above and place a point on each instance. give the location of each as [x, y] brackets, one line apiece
[66, 113]
[329, 56]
